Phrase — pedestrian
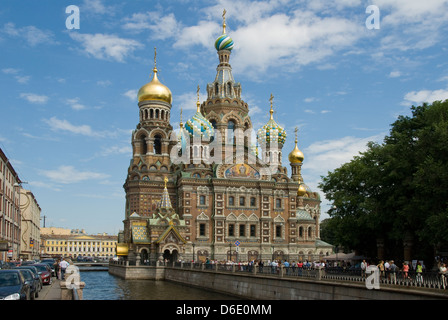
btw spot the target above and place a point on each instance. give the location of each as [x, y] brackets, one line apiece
[381, 268]
[419, 271]
[63, 265]
[363, 268]
[393, 272]
[442, 271]
[386, 269]
[405, 270]
[299, 268]
[260, 266]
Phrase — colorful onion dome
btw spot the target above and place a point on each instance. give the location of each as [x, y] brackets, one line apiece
[271, 132]
[198, 125]
[296, 156]
[224, 42]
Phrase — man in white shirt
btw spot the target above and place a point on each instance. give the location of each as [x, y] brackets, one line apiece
[63, 265]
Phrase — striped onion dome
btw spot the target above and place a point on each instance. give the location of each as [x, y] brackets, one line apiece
[271, 132]
[199, 126]
[224, 42]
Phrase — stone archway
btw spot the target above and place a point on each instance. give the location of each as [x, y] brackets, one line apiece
[170, 256]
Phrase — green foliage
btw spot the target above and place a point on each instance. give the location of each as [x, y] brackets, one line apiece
[396, 188]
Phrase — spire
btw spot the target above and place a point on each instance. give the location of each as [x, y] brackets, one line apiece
[165, 202]
[198, 104]
[224, 21]
[181, 124]
[272, 110]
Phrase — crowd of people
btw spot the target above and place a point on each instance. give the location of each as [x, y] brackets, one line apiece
[388, 269]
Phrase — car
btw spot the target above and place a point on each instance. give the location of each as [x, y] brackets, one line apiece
[44, 271]
[13, 285]
[4, 265]
[36, 276]
[51, 263]
[31, 281]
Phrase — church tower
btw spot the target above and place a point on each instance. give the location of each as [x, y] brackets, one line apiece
[224, 108]
[151, 146]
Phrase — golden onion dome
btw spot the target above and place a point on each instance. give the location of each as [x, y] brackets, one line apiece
[155, 90]
[296, 156]
[302, 190]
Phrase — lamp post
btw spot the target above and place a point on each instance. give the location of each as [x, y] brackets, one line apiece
[193, 252]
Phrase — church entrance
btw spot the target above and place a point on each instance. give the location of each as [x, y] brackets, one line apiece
[170, 256]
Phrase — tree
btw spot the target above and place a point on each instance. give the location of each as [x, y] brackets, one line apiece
[395, 189]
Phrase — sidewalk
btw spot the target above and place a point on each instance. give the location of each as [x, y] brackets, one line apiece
[52, 291]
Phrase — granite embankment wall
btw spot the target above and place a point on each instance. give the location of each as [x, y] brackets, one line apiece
[263, 287]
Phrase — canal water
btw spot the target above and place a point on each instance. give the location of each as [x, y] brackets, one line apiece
[100, 285]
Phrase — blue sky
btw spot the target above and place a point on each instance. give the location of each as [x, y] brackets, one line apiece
[68, 97]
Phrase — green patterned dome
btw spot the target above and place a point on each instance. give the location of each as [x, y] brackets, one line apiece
[271, 132]
[224, 42]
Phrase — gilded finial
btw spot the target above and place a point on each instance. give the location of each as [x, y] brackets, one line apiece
[272, 110]
[181, 124]
[198, 104]
[295, 130]
[155, 59]
[224, 21]
[166, 180]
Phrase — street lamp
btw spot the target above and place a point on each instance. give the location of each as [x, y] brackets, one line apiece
[193, 252]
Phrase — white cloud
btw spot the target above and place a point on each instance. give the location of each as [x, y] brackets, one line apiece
[106, 46]
[419, 97]
[34, 98]
[187, 101]
[75, 105]
[327, 155]
[68, 174]
[202, 34]
[161, 27]
[63, 125]
[394, 74]
[131, 94]
[31, 34]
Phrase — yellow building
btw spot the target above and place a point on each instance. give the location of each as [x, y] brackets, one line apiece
[57, 242]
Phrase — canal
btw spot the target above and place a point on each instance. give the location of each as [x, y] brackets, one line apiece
[100, 285]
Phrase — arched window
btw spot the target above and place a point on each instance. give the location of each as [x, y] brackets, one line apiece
[157, 144]
[143, 144]
[230, 131]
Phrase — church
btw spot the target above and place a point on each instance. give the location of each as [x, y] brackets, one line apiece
[211, 188]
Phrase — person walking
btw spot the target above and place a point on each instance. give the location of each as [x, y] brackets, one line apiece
[405, 270]
[381, 268]
[393, 272]
[63, 265]
[442, 270]
[419, 272]
[363, 268]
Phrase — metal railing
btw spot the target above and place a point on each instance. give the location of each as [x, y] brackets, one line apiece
[427, 279]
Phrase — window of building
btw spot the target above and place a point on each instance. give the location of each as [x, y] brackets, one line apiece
[231, 230]
[157, 144]
[231, 201]
[278, 231]
[252, 230]
[202, 200]
[242, 230]
[253, 202]
[242, 201]
[278, 203]
[202, 229]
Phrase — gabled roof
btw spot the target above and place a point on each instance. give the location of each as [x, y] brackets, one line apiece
[170, 229]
